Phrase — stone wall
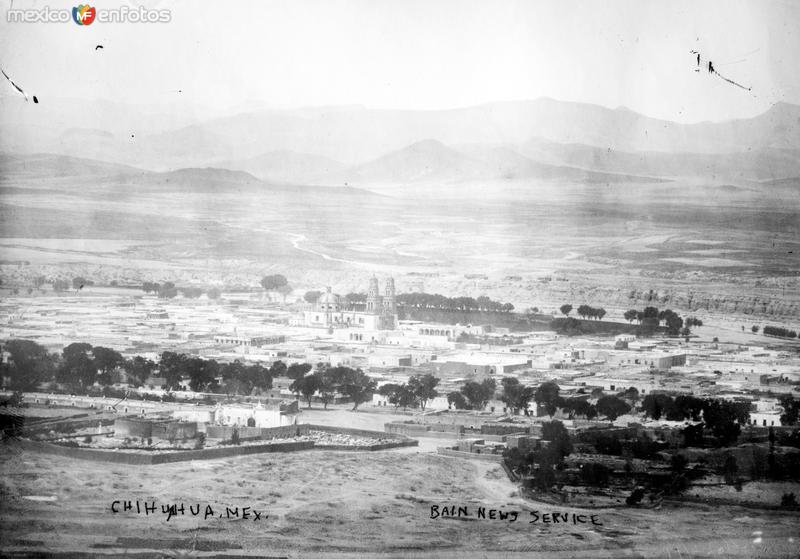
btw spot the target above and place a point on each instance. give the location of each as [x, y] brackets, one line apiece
[470, 455]
[152, 458]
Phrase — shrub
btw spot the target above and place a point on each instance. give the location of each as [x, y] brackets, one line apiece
[635, 497]
[595, 473]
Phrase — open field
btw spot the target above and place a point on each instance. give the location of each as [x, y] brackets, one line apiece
[695, 248]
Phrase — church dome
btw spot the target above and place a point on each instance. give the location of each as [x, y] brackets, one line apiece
[328, 301]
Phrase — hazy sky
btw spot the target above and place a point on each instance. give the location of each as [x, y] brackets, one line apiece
[428, 54]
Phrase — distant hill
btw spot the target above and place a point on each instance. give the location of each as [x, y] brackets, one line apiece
[356, 135]
[752, 165]
[789, 182]
[97, 177]
[430, 161]
[286, 166]
[426, 160]
[317, 145]
[47, 165]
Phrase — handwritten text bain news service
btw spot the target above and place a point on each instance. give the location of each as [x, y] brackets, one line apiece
[534, 516]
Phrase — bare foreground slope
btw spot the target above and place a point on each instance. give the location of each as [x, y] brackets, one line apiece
[347, 504]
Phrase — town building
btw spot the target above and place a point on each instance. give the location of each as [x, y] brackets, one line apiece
[380, 314]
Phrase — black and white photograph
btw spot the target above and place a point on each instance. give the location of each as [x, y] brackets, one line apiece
[400, 279]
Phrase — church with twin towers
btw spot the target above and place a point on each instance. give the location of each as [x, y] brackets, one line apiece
[380, 311]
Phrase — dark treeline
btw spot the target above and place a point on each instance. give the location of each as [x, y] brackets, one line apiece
[413, 394]
[779, 332]
[326, 382]
[454, 304]
[650, 318]
[585, 311]
[473, 395]
[169, 290]
[86, 370]
[429, 301]
[80, 368]
[574, 327]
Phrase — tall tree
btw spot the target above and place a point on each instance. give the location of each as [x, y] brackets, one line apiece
[312, 296]
[457, 400]
[515, 395]
[278, 369]
[202, 374]
[106, 360]
[560, 442]
[307, 386]
[612, 407]
[260, 377]
[234, 378]
[172, 367]
[399, 395]
[547, 395]
[478, 394]
[354, 384]
[138, 370]
[77, 368]
[28, 364]
[298, 370]
[791, 409]
[213, 293]
[327, 384]
[423, 388]
[576, 406]
[565, 309]
[274, 282]
[167, 290]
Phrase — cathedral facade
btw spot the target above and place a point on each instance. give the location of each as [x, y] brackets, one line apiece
[380, 310]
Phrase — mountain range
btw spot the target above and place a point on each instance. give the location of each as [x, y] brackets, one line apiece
[539, 140]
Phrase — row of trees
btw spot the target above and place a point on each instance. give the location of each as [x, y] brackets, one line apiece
[791, 409]
[547, 396]
[723, 418]
[452, 304]
[80, 366]
[650, 318]
[276, 283]
[779, 332]
[169, 290]
[473, 395]
[413, 394]
[543, 461]
[516, 396]
[207, 375]
[584, 311]
[326, 382]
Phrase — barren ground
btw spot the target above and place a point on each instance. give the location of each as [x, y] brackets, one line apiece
[351, 504]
